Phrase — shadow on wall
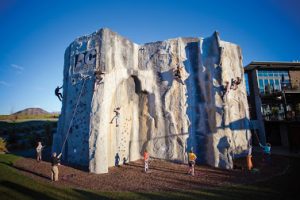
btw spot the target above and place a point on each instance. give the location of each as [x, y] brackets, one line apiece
[205, 72]
[193, 91]
[224, 147]
[201, 109]
[240, 124]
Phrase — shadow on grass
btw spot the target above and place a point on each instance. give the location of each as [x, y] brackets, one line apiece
[31, 172]
[22, 191]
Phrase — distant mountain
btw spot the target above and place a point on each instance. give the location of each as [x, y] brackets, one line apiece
[32, 111]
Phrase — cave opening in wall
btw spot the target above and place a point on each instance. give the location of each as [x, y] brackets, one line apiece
[123, 138]
[137, 84]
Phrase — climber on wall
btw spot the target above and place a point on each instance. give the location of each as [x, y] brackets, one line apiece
[192, 161]
[117, 116]
[58, 94]
[226, 89]
[99, 76]
[233, 85]
[178, 74]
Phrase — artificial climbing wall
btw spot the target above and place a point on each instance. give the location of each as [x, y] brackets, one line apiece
[73, 133]
[165, 115]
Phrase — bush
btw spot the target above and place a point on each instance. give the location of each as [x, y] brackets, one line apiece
[12, 136]
[2, 145]
[48, 134]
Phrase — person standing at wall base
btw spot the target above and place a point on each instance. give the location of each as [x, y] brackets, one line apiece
[55, 161]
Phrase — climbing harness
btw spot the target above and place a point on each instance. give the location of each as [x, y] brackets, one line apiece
[74, 112]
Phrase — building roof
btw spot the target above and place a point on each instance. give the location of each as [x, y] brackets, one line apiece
[272, 65]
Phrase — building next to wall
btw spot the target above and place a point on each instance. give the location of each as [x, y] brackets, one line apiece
[158, 111]
[274, 100]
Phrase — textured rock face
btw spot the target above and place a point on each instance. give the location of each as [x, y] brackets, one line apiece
[158, 112]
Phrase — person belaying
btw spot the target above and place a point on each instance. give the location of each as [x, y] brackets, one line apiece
[146, 161]
[58, 94]
[39, 149]
[178, 73]
[99, 76]
[55, 161]
[192, 161]
[117, 116]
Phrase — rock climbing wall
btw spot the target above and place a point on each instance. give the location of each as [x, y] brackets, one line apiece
[74, 121]
[158, 112]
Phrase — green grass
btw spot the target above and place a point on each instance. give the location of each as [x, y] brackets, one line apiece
[16, 118]
[14, 185]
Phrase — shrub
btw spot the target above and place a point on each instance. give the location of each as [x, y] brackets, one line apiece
[48, 134]
[2, 145]
[12, 136]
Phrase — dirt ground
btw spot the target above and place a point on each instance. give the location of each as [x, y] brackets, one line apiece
[162, 176]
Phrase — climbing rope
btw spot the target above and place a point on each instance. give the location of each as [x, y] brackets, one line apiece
[74, 112]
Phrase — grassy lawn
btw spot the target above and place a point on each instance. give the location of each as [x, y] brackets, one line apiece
[16, 118]
[14, 185]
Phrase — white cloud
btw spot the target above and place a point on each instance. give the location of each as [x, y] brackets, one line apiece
[17, 67]
[4, 83]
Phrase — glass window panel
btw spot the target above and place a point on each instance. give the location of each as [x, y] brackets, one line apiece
[261, 90]
[261, 83]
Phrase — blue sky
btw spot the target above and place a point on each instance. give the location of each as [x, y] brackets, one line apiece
[35, 33]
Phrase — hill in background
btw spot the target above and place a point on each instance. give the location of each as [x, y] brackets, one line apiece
[32, 111]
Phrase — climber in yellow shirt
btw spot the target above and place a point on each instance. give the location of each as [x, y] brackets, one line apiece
[192, 161]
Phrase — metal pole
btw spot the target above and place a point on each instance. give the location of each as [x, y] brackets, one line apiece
[284, 99]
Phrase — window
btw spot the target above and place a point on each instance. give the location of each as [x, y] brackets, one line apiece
[261, 83]
[247, 84]
[261, 86]
[277, 85]
[266, 82]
